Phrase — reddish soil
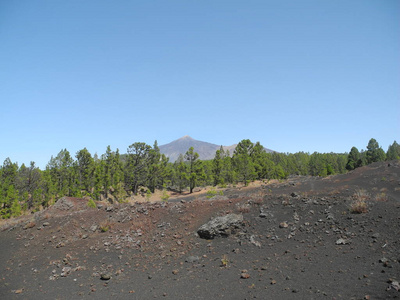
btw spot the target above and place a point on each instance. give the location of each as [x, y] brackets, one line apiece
[299, 240]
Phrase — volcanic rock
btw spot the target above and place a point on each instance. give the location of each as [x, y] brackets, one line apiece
[220, 226]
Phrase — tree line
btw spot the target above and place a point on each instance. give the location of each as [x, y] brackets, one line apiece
[143, 169]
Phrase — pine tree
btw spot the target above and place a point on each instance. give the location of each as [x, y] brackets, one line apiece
[217, 166]
[195, 170]
[374, 152]
[180, 175]
[393, 151]
[85, 170]
[353, 159]
[243, 164]
[137, 165]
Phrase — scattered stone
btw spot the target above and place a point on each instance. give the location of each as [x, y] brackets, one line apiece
[254, 242]
[220, 226]
[245, 275]
[30, 225]
[175, 272]
[65, 271]
[93, 228]
[283, 225]
[192, 259]
[342, 242]
[105, 276]
[375, 235]
[46, 224]
[394, 285]
[60, 244]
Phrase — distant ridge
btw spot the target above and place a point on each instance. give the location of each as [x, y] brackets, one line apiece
[205, 150]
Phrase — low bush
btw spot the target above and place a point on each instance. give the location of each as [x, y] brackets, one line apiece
[359, 204]
[381, 197]
[91, 203]
[105, 226]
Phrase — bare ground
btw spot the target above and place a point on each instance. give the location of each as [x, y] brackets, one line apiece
[299, 240]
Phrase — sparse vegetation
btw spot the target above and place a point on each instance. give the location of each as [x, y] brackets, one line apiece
[165, 196]
[148, 195]
[381, 196]
[224, 261]
[244, 208]
[359, 204]
[211, 193]
[105, 226]
[91, 203]
[258, 197]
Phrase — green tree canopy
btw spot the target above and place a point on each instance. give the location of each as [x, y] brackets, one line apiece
[195, 170]
[136, 170]
[393, 151]
[374, 152]
[353, 159]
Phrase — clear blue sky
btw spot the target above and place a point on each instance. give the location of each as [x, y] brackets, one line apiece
[295, 75]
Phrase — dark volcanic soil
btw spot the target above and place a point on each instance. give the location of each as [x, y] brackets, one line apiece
[298, 240]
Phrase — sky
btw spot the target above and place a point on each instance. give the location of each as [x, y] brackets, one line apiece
[294, 75]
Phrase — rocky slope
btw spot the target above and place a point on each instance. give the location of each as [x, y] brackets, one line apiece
[296, 239]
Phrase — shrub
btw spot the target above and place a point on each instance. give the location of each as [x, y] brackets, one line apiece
[224, 261]
[359, 204]
[165, 196]
[211, 193]
[91, 203]
[105, 226]
[148, 195]
[381, 197]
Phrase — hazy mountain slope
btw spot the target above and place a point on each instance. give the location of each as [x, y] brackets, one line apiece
[204, 149]
[180, 146]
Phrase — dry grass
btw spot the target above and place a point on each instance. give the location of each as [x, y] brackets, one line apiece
[359, 204]
[105, 226]
[381, 197]
[243, 208]
[258, 197]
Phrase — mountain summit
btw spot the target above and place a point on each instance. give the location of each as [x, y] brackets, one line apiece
[205, 150]
[180, 146]
[186, 137]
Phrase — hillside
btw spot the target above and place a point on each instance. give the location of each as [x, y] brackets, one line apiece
[294, 239]
[205, 150]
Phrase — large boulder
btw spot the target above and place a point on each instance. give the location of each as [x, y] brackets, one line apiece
[64, 203]
[220, 226]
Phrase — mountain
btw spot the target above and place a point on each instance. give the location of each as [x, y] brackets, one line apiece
[205, 150]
